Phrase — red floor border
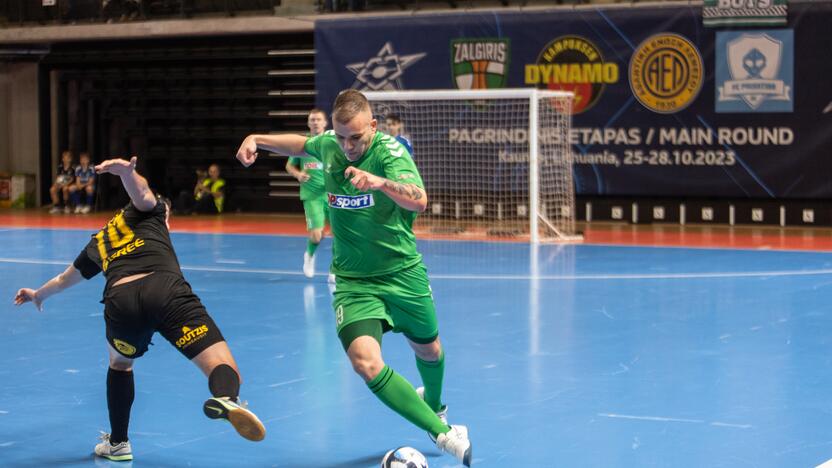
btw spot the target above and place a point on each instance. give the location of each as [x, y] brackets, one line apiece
[746, 237]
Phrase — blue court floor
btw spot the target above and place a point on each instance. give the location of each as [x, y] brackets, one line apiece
[567, 356]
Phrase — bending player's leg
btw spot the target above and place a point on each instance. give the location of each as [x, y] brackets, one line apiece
[192, 331]
[120, 395]
[410, 303]
[217, 363]
[430, 360]
[362, 341]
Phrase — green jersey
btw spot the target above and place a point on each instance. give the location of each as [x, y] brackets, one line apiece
[372, 234]
[314, 187]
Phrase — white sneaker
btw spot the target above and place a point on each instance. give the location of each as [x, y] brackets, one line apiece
[55, 210]
[86, 209]
[119, 452]
[77, 209]
[244, 421]
[455, 443]
[67, 210]
[308, 265]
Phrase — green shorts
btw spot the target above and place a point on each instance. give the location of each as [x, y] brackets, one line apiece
[402, 301]
[315, 209]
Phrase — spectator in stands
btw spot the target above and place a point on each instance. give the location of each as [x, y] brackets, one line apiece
[210, 193]
[63, 180]
[395, 127]
[84, 185]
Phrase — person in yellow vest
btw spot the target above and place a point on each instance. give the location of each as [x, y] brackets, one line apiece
[210, 192]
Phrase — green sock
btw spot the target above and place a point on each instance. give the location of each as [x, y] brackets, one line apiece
[432, 374]
[311, 247]
[397, 393]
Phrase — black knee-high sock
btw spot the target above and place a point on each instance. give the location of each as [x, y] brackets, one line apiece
[120, 394]
[224, 382]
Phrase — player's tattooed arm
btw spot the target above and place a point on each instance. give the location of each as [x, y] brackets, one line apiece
[407, 190]
[408, 196]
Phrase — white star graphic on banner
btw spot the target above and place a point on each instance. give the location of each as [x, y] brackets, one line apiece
[382, 72]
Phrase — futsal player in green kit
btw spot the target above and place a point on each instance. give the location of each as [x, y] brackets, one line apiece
[374, 193]
[308, 170]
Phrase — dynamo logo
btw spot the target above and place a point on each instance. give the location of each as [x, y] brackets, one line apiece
[350, 202]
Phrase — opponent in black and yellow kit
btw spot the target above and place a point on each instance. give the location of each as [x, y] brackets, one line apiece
[145, 293]
[132, 243]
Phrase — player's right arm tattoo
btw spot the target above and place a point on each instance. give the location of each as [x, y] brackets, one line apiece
[410, 191]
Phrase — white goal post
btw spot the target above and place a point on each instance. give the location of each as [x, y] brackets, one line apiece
[496, 163]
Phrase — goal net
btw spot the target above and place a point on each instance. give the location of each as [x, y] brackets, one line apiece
[496, 163]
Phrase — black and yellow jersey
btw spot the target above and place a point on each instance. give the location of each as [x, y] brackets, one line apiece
[132, 242]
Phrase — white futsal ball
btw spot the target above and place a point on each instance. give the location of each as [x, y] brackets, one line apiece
[404, 457]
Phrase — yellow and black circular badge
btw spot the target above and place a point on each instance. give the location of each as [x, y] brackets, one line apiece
[124, 347]
[666, 73]
[573, 63]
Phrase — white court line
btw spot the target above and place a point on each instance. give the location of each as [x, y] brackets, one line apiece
[681, 420]
[280, 384]
[588, 277]
[650, 418]
[826, 464]
[738, 426]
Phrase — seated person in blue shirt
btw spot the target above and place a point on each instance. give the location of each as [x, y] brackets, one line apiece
[84, 185]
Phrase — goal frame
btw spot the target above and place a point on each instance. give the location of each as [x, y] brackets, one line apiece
[533, 95]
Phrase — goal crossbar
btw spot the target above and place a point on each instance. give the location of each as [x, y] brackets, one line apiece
[466, 95]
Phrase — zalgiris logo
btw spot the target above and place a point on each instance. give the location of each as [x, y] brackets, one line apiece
[479, 63]
[573, 63]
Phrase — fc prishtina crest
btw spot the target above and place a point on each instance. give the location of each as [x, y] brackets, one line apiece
[759, 71]
[479, 63]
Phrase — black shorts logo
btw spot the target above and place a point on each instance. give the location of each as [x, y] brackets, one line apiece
[190, 336]
[124, 347]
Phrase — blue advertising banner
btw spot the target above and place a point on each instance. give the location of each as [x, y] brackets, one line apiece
[664, 106]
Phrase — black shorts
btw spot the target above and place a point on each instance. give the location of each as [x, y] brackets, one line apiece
[160, 302]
